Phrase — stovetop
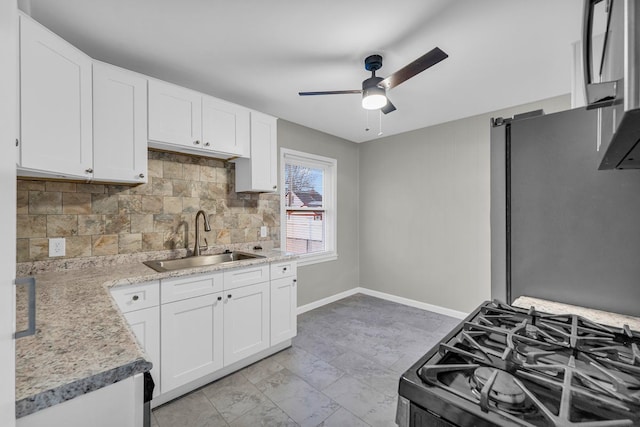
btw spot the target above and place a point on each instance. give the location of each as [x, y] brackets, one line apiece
[509, 366]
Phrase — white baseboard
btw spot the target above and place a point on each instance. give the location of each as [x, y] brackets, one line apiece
[414, 303]
[385, 296]
[327, 300]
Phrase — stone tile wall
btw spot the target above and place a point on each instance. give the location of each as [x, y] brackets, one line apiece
[98, 219]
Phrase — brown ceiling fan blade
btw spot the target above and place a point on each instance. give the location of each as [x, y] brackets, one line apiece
[389, 107]
[330, 92]
[427, 60]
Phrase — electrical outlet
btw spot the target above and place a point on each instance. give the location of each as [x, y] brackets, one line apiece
[263, 231]
[57, 247]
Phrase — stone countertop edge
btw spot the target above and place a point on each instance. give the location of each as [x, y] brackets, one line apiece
[604, 317]
[82, 341]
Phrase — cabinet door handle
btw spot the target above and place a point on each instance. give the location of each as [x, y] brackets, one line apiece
[206, 144]
[141, 175]
[229, 296]
[219, 298]
[89, 170]
[295, 281]
[275, 186]
[31, 329]
[196, 142]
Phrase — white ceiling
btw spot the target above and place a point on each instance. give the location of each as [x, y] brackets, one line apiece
[260, 53]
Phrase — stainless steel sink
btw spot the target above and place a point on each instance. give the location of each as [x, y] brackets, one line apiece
[199, 261]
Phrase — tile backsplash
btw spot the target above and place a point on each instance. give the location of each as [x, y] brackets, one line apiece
[101, 219]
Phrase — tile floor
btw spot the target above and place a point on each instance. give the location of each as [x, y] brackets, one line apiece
[342, 370]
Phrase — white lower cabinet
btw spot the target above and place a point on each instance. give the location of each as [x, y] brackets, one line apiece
[191, 339]
[119, 404]
[246, 321]
[140, 304]
[146, 327]
[283, 309]
[196, 328]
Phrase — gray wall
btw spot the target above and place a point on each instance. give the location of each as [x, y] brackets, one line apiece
[325, 279]
[424, 204]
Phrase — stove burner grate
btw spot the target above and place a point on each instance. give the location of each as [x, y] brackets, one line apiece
[510, 356]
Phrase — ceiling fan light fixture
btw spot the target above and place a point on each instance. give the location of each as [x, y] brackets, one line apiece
[374, 97]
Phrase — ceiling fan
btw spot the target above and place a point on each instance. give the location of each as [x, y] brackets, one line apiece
[374, 89]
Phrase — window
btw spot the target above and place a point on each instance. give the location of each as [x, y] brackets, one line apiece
[308, 207]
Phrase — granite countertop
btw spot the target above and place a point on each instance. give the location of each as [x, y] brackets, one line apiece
[599, 316]
[82, 341]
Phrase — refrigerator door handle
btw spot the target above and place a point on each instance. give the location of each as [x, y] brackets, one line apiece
[31, 330]
[602, 94]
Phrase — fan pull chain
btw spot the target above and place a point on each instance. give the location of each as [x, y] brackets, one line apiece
[380, 123]
[366, 129]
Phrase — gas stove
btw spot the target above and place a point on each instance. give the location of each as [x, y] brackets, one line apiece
[507, 366]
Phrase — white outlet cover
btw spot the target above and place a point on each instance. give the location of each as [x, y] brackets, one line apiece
[263, 231]
[57, 247]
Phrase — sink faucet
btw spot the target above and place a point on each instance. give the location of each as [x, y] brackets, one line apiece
[197, 248]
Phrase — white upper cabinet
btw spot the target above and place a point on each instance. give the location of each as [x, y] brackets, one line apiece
[55, 105]
[174, 115]
[225, 127]
[119, 125]
[259, 173]
[187, 121]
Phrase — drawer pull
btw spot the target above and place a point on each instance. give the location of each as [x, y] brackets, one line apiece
[219, 298]
[135, 298]
[229, 296]
[284, 269]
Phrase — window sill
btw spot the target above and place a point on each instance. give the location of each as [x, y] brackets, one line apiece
[317, 258]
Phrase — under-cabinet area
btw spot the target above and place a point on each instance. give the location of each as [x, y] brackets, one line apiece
[199, 327]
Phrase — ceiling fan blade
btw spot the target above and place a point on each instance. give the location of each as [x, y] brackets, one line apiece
[388, 108]
[427, 60]
[330, 92]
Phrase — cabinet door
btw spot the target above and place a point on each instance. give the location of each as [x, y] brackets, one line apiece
[175, 115]
[191, 339]
[283, 309]
[119, 125]
[246, 322]
[259, 173]
[55, 105]
[118, 404]
[146, 327]
[225, 126]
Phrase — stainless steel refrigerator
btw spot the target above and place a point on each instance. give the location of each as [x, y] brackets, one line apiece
[561, 229]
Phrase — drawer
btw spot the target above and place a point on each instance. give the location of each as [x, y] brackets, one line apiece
[246, 276]
[179, 288]
[136, 297]
[283, 269]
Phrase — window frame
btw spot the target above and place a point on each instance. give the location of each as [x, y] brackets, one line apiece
[329, 199]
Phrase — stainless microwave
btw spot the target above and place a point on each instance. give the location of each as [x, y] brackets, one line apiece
[612, 79]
